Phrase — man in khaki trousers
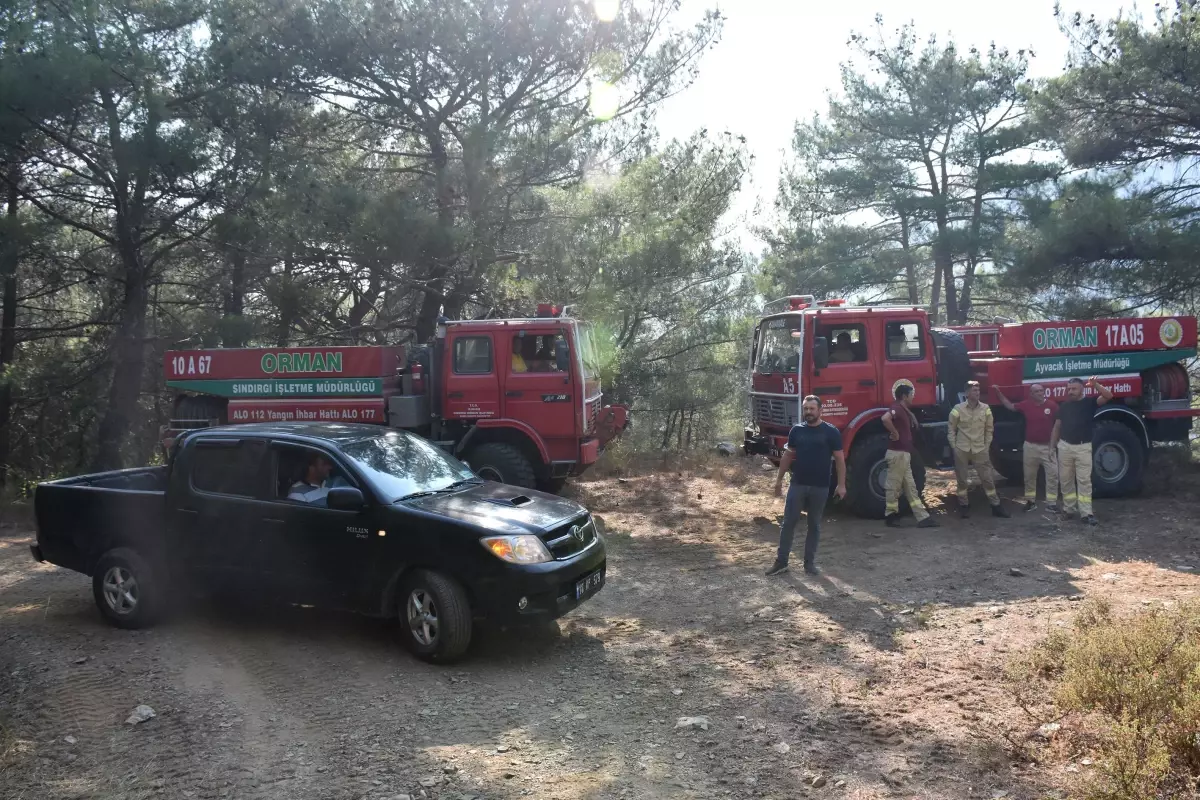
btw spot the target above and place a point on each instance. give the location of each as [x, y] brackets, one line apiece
[1040, 415]
[1072, 438]
[900, 424]
[971, 430]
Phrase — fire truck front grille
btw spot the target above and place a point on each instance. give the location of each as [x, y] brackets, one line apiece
[775, 411]
[593, 413]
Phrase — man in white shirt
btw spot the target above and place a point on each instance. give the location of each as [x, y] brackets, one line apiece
[311, 488]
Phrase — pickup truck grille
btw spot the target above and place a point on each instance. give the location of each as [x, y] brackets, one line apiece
[570, 539]
[775, 411]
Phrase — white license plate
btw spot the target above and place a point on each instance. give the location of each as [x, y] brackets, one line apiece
[589, 585]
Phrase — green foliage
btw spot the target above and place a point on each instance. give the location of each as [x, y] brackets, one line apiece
[1135, 684]
[232, 172]
[904, 189]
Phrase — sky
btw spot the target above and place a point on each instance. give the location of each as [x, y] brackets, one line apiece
[778, 59]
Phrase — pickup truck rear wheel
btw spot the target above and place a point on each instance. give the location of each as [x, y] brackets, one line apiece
[435, 615]
[126, 589]
[503, 463]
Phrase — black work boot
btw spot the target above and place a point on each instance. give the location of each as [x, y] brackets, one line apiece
[998, 511]
[811, 568]
[892, 520]
[928, 522]
[778, 569]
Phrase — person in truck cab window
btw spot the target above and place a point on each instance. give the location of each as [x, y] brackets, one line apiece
[970, 434]
[1072, 440]
[843, 349]
[311, 487]
[812, 446]
[1040, 415]
[518, 355]
[900, 424]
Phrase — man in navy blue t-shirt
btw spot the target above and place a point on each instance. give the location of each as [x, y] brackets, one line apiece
[811, 446]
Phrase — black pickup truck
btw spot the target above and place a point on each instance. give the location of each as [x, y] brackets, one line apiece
[383, 523]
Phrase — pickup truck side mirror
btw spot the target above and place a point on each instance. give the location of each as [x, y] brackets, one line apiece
[345, 498]
[820, 352]
[562, 356]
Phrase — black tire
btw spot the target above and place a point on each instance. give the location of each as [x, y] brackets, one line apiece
[127, 589]
[446, 636]
[503, 463]
[866, 481]
[1011, 469]
[1118, 460]
[954, 364]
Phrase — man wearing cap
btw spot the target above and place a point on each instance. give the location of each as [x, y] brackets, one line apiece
[970, 433]
[1040, 415]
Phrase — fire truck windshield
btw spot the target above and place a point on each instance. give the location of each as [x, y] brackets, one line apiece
[778, 351]
[587, 349]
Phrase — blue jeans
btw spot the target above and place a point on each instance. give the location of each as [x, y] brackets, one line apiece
[802, 498]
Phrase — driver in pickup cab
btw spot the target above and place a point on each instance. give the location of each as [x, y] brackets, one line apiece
[312, 487]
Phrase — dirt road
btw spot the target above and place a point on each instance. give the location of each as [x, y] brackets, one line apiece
[877, 679]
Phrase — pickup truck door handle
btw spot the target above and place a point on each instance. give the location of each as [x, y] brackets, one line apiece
[827, 389]
[273, 520]
[455, 395]
[866, 383]
[926, 379]
[513, 394]
[191, 511]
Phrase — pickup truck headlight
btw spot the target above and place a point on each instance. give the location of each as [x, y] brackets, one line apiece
[522, 549]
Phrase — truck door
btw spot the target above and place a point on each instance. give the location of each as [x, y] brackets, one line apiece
[850, 384]
[906, 358]
[472, 380]
[213, 507]
[313, 554]
[539, 391]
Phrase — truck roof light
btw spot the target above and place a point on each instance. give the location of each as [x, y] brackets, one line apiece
[799, 302]
[841, 301]
[548, 310]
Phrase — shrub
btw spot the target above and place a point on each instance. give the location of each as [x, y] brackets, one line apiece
[1133, 682]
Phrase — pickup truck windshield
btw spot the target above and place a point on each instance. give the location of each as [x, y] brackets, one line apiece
[400, 464]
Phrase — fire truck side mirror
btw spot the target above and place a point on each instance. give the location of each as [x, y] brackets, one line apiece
[562, 356]
[820, 352]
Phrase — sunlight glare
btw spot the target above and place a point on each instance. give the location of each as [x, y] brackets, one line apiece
[606, 10]
[604, 100]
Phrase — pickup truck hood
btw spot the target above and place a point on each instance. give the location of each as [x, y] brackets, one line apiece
[502, 508]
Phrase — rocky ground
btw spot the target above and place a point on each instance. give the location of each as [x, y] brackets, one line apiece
[879, 679]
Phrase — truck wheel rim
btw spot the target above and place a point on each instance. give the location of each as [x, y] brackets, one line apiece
[490, 474]
[422, 617]
[120, 590]
[1111, 461]
[879, 479]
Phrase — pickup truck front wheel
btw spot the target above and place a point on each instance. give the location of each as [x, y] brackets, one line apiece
[126, 589]
[435, 616]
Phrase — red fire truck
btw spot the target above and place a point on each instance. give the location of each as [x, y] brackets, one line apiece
[518, 399]
[854, 358]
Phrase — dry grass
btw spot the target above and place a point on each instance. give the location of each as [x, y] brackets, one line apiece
[1129, 687]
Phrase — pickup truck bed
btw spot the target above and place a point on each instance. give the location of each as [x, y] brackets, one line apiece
[92, 514]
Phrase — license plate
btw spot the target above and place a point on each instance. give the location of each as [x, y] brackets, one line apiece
[589, 585]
